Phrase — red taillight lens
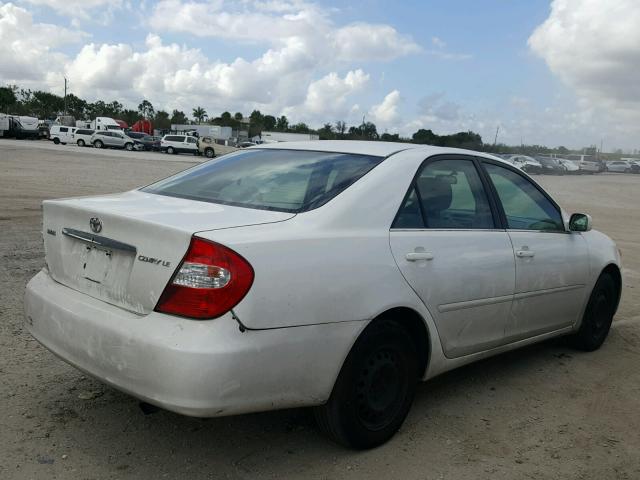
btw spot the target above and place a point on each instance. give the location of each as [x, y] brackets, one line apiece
[211, 280]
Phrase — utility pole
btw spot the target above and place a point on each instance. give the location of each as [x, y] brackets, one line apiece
[65, 95]
[495, 140]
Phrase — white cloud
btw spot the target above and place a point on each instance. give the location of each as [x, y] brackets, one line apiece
[438, 42]
[277, 22]
[594, 48]
[26, 48]
[329, 95]
[100, 10]
[386, 113]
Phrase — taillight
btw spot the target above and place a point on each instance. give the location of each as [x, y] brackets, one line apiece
[211, 280]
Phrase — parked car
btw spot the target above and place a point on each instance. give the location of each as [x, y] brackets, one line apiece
[525, 163]
[329, 274]
[619, 166]
[82, 136]
[551, 166]
[149, 142]
[569, 165]
[61, 134]
[206, 147]
[635, 166]
[587, 163]
[179, 144]
[112, 139]
[135, 135]
[246, 144]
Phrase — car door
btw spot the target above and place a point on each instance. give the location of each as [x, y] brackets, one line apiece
[192, 144]
[450, 248]
[551, 263]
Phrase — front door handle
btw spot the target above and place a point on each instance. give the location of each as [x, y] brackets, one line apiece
[525, 253]
[415, 256]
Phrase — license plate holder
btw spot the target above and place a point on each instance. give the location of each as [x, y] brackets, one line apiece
[97, 264]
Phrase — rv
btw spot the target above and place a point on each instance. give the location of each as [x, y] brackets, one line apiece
[4, 125]
[23, 127]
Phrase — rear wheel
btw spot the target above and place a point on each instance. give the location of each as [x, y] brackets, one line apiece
[81, 143]
[170, 150]
[56, 141]
[597, 316]
[209, 153]
[374, 390]
[98, 144]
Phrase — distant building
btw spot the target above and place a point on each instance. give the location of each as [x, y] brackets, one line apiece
[269, 137]
[214, 131]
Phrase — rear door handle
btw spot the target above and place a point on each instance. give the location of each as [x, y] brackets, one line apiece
[415, 256]
[525, 253]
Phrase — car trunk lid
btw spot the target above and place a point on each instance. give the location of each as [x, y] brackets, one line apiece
[124, 248]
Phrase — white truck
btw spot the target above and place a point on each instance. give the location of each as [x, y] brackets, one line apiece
[99, 123]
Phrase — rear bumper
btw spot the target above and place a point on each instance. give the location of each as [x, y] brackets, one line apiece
[197, 368]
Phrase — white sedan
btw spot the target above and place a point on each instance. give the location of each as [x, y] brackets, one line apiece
[325, 274]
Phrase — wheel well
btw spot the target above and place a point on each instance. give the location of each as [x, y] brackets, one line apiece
[414, 324]
[614, 271]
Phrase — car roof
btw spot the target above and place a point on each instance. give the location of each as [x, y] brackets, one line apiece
[363, 147]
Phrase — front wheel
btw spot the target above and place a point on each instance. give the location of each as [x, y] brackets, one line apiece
[56, 141]
[128, 146]
[98, 144]
[81, 143]
[374, 390]
[209, 153]
[170, 150]
[598, 315]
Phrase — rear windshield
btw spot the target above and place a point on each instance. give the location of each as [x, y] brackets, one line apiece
[270, 179]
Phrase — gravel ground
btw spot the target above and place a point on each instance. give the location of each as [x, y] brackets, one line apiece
[542, 412]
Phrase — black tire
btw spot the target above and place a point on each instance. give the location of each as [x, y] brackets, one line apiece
[170, 150]
[598, 315]
[98, 144]
[374, 390]
[81, 143]
[128, 146]
[56, 141]
[209, 153]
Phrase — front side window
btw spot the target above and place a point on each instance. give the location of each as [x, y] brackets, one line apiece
[270, 179]
[524, 205]
[447, 194]
[191, 140]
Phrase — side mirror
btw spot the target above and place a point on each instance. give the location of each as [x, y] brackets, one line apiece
[580, 222]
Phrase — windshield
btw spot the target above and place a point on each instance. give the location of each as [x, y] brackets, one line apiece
[281, 180]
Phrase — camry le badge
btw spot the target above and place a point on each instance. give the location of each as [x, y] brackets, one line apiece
[96, 224]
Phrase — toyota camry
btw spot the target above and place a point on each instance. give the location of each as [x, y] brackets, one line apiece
[333, 275]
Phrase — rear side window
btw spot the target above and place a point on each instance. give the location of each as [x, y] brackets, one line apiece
[84, 132]
[447, 194]
[270, 179]
[64, 129]
[173, 138]
[524, 205]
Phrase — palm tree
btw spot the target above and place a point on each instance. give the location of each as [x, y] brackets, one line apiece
[199, 114]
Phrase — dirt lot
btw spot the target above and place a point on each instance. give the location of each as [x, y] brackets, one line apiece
[542, 412]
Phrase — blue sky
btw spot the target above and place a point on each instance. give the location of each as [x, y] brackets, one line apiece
[445, 65]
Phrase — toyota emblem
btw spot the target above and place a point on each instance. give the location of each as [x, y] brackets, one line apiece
[96, 224]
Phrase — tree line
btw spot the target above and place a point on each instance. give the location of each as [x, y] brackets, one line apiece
[46, 105]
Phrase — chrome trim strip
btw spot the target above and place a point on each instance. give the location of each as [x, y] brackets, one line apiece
[481, 302]
[98, 240]
[536, 293]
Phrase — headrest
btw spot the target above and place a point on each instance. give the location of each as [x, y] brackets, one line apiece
[436, 194]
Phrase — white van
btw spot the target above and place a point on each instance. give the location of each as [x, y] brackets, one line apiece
[61, 134]
[179, 144]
